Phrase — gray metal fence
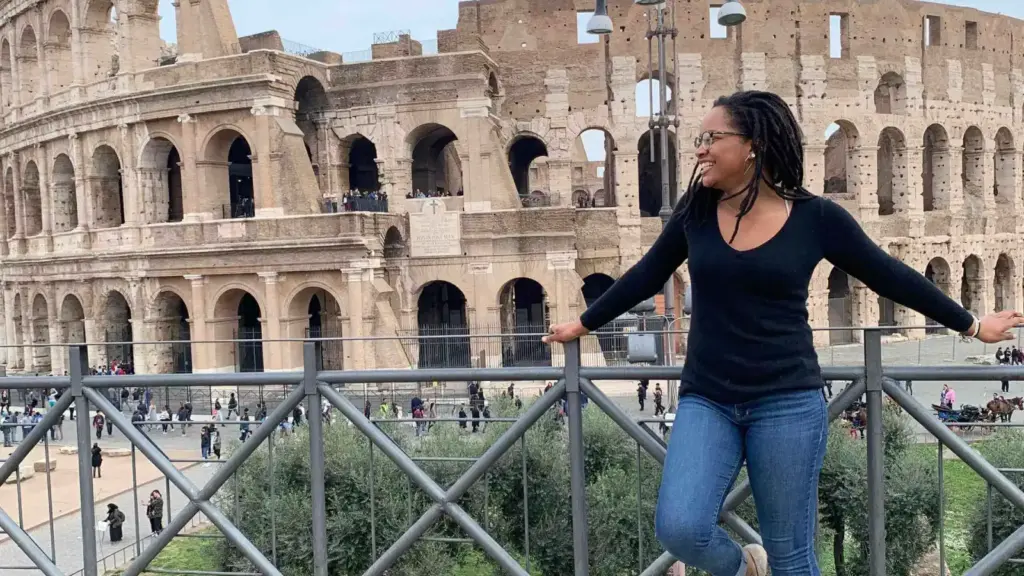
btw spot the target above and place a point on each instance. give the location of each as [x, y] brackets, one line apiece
[573, 383]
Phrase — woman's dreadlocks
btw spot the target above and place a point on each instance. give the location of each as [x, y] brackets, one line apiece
[777, 141]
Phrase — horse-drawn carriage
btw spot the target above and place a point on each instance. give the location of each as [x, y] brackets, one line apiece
[967, 414]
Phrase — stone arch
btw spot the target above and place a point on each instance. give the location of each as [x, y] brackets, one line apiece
[314, 311]
[442, 325]
[840, 307]
[394, 245]
[72, 322]
[436, 166]
[229, 176]
[892, 172]
[58, 52]
[171, 324]
[100, 40]
[7, 74]
[972, 285]
[362, 165]
[40, 328]
[107, 186]
[842, 164]
[160, 179]
[973, 170]
[600, 199]
[580, 199]
[28, 65]
[18, 319]
[1004, 163]
[523, 306]
[310, 102]
[612, 345]
[33, 208]
[649, 173]
[648, 93]
[938, 273]
[10, 214]
[238, 316]
[65, 201]
[536, 199]
[116, 327]
[527, 152]
[935, 177]
[891, 94]
[1005, 298]
[593, 164]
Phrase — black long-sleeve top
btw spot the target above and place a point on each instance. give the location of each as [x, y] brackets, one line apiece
[749, 332]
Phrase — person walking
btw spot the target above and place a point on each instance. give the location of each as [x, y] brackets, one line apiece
[751, 383]
[97, 461]
[155, 511]
[115, 523]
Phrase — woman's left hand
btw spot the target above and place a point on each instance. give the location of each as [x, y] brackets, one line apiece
[996, 327]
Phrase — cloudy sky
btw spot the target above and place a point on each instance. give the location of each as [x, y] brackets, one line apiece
[349, 25]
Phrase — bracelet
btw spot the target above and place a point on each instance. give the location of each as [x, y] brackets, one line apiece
[973, 331]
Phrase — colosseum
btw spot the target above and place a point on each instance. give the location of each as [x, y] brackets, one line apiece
[225, 187]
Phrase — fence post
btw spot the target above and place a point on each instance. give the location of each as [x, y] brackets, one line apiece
[316, 458]
[79, 364]
[577, 481]
[876, 455]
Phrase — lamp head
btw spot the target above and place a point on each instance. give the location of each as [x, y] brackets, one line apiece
[600, 23]
[731, 13]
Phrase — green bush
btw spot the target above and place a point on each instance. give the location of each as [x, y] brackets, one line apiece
[1004, 450]
[911, 491]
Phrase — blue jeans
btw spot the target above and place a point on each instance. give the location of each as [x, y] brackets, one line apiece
[783, 439]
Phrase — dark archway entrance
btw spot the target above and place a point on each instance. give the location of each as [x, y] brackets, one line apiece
[250, 334]
[524, 313]
[324, 322]
[443, 327]
[612, 346]
[243, 202]
[363, 173]
[521, 155]
[840, 307]
[650, 173]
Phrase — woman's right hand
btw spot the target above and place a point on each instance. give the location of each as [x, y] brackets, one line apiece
[566, 332]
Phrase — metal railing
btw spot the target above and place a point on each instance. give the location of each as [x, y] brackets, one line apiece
[575, 384]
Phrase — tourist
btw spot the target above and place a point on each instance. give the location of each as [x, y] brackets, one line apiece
[751, 383]
[215, 442]
[97, 461]
[232, 407]
[115, 522]
[97, 422]
[155, 511]
[204, 441]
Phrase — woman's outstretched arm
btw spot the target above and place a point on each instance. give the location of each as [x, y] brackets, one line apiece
[846, 245]
[641, 281]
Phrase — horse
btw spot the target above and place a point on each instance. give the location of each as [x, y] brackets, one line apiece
[1004, 408]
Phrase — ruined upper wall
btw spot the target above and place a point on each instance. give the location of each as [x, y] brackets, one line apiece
[529, 37]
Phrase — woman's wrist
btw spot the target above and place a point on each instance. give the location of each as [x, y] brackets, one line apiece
[975, 329]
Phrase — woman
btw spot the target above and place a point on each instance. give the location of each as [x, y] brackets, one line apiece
[97, 461]
[115, 522]
[751, 384]
[155, 511]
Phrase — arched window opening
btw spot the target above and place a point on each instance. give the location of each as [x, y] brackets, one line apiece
[892, 172]
[580, 199]
[33, 200]
[887, 315]
[28, 66]
[436, 166]
[10, 214]
[443, 327]
[526, 152]
[1005, 299]
[160, 178]
[524, 311]
[117, 329]
[58, 52]
[891, 95]
[324, 321]
[840, 307]
[101, 40]
[242, 198]
[72, 325]
[107, 188]
[937, 272]
[971, 285]
[7, 74]
[593, 167]
[840, 161]
[650, 173]
[648, 96]
[249, 335]
[935, 161]
[311, 101]
[1005, 168]
[613, 346]
[973, 170]
[17, 317]
[40, 327]
[363, 171]
[394, 244]
[65, 201]
[171, 325]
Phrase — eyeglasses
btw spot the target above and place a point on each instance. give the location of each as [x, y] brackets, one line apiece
[708, 138]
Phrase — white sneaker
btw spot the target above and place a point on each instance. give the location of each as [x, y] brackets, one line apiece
[757, 560]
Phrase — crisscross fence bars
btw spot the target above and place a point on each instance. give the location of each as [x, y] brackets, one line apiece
[572, 382]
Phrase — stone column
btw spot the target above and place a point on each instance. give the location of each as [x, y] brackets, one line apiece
[201, 361]
[83, 200]
[130, 185]
[45, 195]
[263, 191]
[190, 189]
[44, 75]
[355, 350]
[914, 202]
[77, 50]
[17, 242]
[867, 197]
[272, 351]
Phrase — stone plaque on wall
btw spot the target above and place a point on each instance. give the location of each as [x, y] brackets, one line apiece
[435, 231]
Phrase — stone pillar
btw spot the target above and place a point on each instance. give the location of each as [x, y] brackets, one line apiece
[263, 192]
[190, 189]
[355, 350]
[130, 186]
[16, 244]
[201, 361]
[83, 200]
[45, 195]
[989, 188]
[273, 357]
[865, 308]
[140, 49]
[10, 354]
[77, 49]
[867, 196]
[814, 171]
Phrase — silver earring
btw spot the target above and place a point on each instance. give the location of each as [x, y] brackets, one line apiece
[752, 156]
